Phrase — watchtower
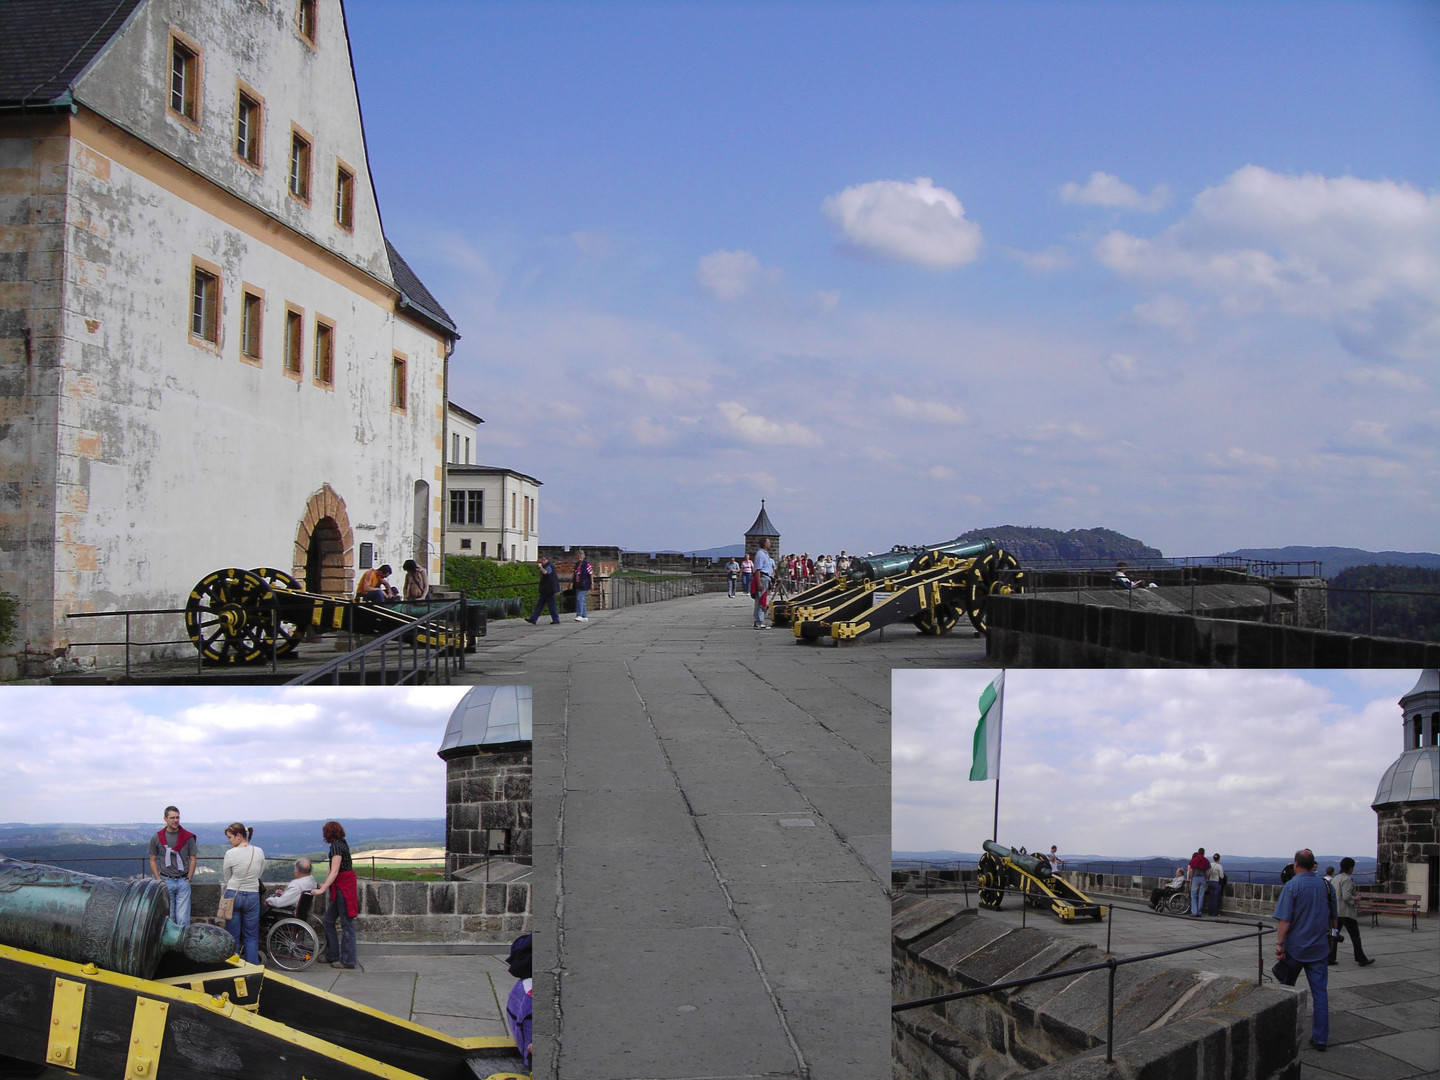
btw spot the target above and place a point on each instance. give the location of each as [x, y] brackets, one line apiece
[1407, 802]
[763, 529]
[487, 752]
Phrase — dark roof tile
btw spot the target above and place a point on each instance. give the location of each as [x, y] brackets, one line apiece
[413, 290]
[45, 44]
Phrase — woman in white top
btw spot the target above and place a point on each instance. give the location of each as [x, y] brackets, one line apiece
[244, 866]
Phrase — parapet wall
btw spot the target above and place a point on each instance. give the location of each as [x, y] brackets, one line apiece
[1039, 631]
[1168, 1022]
[421, 911]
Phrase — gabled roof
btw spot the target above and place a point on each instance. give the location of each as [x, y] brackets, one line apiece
[415, 296]
[466, 413]
[45, 45]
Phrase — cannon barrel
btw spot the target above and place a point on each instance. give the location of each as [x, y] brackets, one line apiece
[902, 559]
[1031, 864]
[119, 925]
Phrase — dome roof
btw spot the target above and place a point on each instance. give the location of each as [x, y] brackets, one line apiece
[489, 716]
[1414, 777]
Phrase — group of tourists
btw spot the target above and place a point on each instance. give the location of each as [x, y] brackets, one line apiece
[172, 862]
[374, 584]
[582, 580]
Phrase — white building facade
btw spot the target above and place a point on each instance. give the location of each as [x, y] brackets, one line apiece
[493, 513]
[211, 356]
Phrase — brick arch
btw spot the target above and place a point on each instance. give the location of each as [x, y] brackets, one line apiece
[327, 524]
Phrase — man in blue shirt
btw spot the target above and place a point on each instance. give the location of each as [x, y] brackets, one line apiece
[764, 571]
[1305, 916]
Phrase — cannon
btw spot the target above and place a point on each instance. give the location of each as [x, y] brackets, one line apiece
[1005, 868]
[95, 979]
[929, 586]
[236, 616]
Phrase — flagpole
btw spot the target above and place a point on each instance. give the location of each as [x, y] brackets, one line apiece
[999, 749]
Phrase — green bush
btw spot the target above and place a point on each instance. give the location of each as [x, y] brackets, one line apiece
[8, 609]
[484, 579]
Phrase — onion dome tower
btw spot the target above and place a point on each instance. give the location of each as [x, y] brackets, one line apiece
[1407, 802]
[763, 529]
[487, 750]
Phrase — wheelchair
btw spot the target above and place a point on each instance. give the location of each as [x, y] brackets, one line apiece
[1175, 901]
[290, 935]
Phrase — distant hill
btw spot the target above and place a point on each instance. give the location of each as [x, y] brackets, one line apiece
[726, 552]
[1259, 869]
[1097, 547]
[120, 850]
[1335, 560]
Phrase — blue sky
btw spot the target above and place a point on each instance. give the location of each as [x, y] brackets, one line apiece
[231, 754]
[909, 269]
[1136, 763]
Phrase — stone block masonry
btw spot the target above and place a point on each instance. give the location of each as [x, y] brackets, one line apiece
[1168, 1022]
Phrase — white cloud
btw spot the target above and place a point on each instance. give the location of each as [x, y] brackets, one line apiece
[729, 275]
[753, 428]
[914, 222]
[1103, 189]
[1387, 378]
[1049, 261]
[1363, 256]
[930, 412]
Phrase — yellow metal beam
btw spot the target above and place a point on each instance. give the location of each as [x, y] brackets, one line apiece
[147, 1032]
[67, 1009]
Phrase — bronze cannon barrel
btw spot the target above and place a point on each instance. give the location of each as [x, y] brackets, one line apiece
[901, 559]
[1034, 865]
[120, 925]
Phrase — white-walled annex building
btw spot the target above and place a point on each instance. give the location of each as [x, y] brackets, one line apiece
[210, 355]
[493, 512]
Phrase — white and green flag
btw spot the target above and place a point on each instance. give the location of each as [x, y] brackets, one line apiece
[987, 732]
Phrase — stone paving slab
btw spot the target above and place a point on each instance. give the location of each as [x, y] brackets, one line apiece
[749, 729]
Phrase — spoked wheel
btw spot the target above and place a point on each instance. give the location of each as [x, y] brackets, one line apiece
[996, 574]
[990, 879]
[293, 944]
[1177, 903]
[290, 633]
[936, 620]
[228, 616]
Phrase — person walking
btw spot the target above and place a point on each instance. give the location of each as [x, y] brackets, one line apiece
[549, 589]
[747, 571]
[243, 867]
[582, 580]
[1345, 914]
[1198, 869]
[344, 906]
[760, 584]
[1304, 918]
[732, 571]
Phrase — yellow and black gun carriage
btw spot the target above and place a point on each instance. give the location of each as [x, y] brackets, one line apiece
[929, 587]
[1003, 868]
[238, 616]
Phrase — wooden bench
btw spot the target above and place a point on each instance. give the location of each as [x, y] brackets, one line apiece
[1377, 904]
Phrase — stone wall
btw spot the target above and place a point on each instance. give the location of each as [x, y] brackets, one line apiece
[1041, 631]
[1168, 1022]
[422, 911]
[1406, 833]
[485, 791]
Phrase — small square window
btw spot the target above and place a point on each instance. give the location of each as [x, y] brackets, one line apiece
[252, 314]
[249, 123]
[294, 342]
[307, 21]
[300, 166]
[344, 198]
[464, 543]
[324, 353]
[205, 306]
[397, 383]
[184, 80]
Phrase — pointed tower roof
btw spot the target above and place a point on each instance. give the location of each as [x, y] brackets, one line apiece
[763, 525]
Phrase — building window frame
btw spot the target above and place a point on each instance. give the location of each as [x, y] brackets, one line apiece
[344, 196]
[399, 382]
[183, 98]
[307, 22]
[299, 181]
[252, 323]
[294, 342]
[203, 313]
[323, 358]
[249, 144]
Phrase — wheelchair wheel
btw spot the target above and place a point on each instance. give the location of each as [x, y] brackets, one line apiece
[1177, 903]
[292, 944]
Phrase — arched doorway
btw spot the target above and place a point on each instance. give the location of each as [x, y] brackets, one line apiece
[324, 555]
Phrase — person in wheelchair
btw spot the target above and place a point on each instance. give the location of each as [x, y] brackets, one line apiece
[1160, 895]
[283, 901]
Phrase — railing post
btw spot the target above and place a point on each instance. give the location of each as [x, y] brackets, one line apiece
[1260, 954]
[1110, 1017]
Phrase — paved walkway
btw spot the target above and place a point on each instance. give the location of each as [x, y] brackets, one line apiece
[1384, 1019]
[715, 803]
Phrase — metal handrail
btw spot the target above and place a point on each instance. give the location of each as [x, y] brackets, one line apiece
[437, 660]
[1112, 869]
[1111, 964]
